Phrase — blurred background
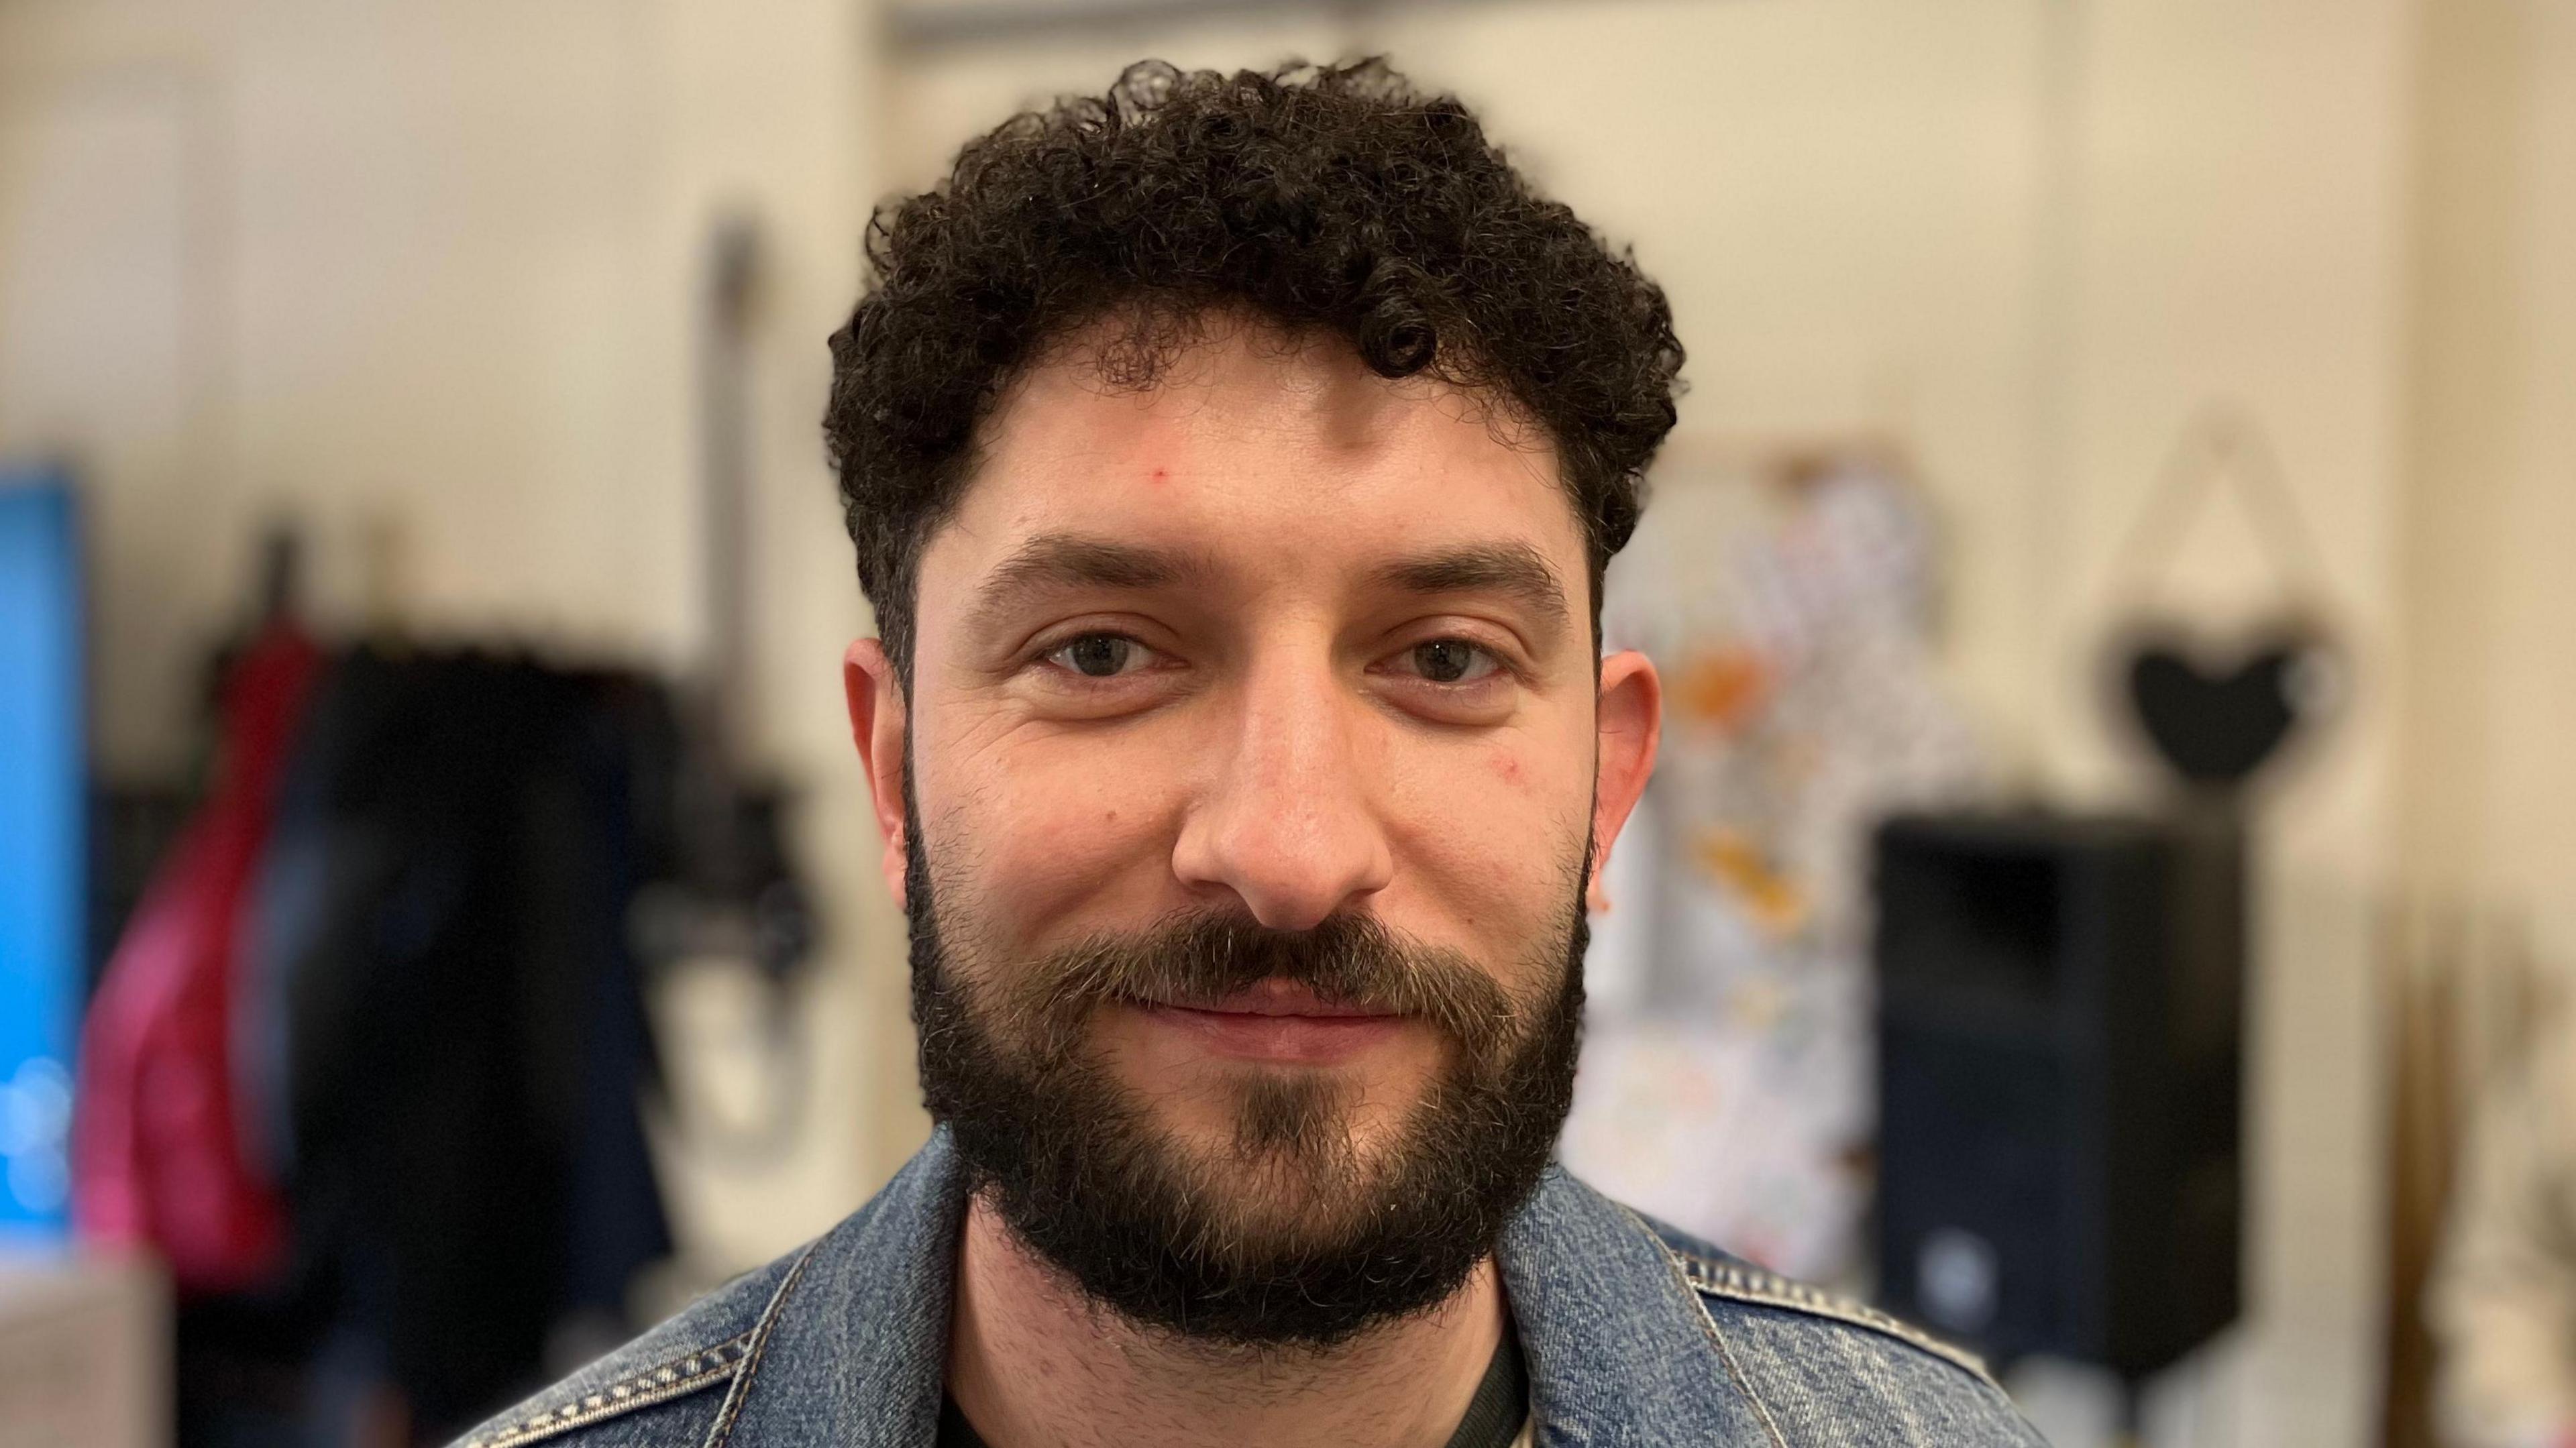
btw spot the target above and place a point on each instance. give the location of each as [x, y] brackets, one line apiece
[2109, 573]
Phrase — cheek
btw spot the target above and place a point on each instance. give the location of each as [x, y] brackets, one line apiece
[1529, 786]
[1489, 834]
[1042, 839]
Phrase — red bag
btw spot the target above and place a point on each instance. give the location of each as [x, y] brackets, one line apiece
[159, 1155]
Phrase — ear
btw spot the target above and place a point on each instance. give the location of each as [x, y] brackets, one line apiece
[878, 721]
[1630, 716]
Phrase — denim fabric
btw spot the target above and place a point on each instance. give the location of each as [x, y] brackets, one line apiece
[1634, 1334]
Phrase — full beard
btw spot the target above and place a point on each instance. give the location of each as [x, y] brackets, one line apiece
[1288, 1234]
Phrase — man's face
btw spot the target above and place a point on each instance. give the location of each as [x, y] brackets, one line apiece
[1257, 775]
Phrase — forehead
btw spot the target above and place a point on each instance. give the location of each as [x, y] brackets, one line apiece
[1272, 456]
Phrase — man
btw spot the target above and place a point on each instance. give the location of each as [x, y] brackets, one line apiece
[1233, 463]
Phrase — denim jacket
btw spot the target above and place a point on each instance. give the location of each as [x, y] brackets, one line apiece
[1634, 1334]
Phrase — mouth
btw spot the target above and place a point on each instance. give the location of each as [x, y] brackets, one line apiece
[1278, 1021]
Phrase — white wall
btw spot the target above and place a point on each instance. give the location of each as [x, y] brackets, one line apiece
[408, 252]
[2490, 521]
[426, 277]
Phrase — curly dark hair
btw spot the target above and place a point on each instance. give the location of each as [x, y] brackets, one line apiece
[1337, 200]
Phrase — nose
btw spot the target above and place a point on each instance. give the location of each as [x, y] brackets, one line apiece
[1286, 823]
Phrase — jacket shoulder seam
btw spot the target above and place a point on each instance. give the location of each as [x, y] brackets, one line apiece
[1708, 1326]
[1741, 1282]
[678, 1377]
[757, 1346]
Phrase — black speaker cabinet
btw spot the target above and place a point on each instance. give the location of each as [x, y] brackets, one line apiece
[2061, 1041]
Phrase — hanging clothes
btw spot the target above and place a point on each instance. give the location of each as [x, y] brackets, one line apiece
[460, 1036]
[162, 1148]
[366, 1065]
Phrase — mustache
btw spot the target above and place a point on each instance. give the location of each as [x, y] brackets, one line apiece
[1196, 960]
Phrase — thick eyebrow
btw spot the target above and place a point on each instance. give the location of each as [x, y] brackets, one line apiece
[1514, 570]
[1054, 561]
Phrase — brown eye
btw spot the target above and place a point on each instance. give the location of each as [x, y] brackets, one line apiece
[1099, 656]
[1451, 661]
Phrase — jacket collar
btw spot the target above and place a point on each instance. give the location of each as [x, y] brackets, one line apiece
[1620, 1349]
[852, 1348]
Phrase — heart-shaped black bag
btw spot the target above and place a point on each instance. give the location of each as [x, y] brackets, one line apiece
[2217, 708]
[2217, 714]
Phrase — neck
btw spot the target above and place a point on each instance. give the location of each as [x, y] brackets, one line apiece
[1031, 1360]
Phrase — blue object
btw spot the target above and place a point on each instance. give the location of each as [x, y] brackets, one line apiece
[42, 848]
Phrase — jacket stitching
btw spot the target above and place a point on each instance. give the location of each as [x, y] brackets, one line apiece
[676, 1378]
[1730, 1280]
[759, 1335]
[1708, 1327]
